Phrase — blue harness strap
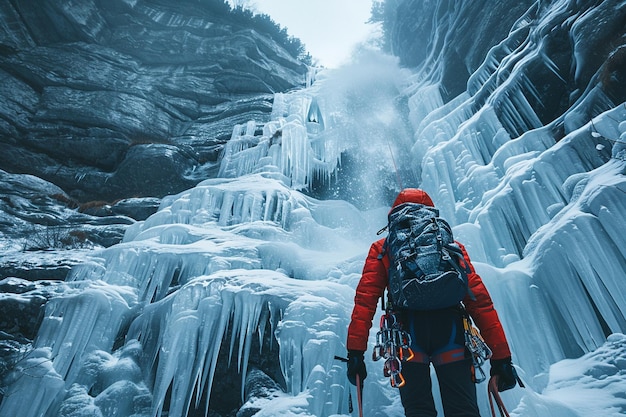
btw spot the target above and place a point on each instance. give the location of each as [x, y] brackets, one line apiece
[450, 353]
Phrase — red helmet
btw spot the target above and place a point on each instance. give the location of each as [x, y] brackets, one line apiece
[413, 195]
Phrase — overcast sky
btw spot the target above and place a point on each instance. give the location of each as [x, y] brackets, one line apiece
[328, 28]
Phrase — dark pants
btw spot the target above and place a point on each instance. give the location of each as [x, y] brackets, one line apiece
[458, 392]
[433, 333]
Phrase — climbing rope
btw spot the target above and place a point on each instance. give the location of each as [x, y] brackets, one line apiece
[494, 395]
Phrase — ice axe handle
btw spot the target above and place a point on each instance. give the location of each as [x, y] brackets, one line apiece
[350, 406]
[359, 394]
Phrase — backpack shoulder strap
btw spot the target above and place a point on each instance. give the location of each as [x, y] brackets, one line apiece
[463, 269]
[381, 255]
[382, 252]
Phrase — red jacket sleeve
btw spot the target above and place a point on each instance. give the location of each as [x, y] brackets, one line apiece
[370, 289]
[484, 315]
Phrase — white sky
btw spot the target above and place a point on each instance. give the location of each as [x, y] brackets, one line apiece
[328, 28]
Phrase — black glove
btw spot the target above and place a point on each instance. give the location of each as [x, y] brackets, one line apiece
[505, 373]
[356, 366]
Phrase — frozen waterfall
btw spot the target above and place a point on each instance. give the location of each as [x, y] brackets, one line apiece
[248, 259]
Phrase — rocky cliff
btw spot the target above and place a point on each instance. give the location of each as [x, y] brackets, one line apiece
[109, 99]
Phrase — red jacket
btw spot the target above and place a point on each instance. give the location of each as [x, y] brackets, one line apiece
[371, 288]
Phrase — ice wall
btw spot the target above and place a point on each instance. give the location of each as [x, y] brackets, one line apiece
[144, 327]
[540, 206]
[345, 133]
[242, 254]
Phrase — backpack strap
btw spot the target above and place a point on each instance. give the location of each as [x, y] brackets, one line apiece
[459, 253]
[382, 252]
[464, 270]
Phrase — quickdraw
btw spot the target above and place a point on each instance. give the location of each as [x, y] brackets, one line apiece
[477, 347]
[393, 345]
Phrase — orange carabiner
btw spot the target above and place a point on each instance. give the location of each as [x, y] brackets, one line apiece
[397, 380]
[406, 354]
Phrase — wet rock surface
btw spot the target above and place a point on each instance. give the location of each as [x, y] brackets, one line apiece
[98, 95]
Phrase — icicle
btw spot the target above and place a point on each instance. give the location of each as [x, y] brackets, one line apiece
[76, 325]
[243, 300]
[291, 144]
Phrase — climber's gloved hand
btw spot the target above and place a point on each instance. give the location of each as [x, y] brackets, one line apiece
[356, 366]
[505, 373]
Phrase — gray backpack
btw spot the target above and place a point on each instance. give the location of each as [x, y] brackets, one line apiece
[425, 271]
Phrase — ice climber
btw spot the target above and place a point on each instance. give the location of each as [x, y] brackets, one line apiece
[436, 336]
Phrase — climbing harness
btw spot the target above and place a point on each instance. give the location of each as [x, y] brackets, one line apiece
[477, 347]
[393, 345]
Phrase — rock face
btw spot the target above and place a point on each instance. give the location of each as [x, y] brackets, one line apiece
[100, 95]
[36, 212]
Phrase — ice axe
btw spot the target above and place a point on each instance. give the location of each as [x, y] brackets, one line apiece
[359, 390]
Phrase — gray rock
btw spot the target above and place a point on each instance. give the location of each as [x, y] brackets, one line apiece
[258, 385]
[38, 215]
[153, 169]
[21, 312]
[136, 208]
[86, 87]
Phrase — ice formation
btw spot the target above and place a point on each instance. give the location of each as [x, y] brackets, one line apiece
[248, 253]
[220, 264]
